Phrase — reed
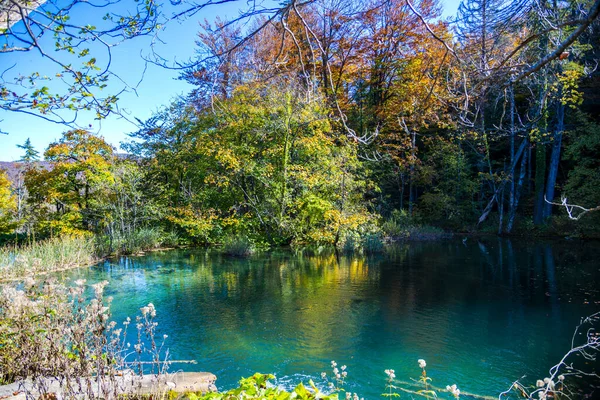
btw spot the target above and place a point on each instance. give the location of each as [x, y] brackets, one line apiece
[46, 256]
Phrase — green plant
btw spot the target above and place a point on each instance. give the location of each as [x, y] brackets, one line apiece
[257, 387]
[131, 242]
[372, 243]
[389, 384]
[238, 246]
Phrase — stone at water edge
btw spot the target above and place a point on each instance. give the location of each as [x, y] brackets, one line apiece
[181, 382]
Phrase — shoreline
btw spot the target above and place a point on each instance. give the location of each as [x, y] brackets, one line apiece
[72, 266]
[418, 238]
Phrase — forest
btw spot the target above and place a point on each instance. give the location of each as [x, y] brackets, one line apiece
[339, 122]
[298, 204]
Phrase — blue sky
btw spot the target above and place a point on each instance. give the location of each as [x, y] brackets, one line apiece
[158, 87]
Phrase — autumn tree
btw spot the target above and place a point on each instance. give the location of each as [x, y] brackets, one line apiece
[64, 194]
[7, 205]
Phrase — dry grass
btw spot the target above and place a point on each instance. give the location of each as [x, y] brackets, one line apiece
[46, 256]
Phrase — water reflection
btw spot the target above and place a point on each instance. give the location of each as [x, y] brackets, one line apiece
[482, 313]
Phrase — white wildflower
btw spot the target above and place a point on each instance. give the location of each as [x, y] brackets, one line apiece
[539, 383]
[152, 310]
[29, 282]
[561, 378]
[99, 288]
[422, 363]
[323, 375]
[454, 390]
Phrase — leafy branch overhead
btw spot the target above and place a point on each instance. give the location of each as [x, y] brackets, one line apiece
[80, 53]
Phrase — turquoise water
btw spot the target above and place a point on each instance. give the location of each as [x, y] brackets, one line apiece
[482, 313]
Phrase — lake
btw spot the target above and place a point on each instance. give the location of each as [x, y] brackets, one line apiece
[482, 313]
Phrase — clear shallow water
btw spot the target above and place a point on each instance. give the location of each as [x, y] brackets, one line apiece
[482, 314]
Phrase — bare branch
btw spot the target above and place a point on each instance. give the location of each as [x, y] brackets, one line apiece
[574, 211]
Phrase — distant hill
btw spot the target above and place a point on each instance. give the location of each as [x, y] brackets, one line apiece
[13, 167]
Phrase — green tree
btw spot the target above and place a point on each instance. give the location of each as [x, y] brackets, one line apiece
[31, 154]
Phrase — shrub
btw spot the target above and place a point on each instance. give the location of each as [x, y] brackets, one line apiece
[59, 331]
[238, 246]
[396, 224]
[170, 239]
[131, 242]
[400, 226]
[351, 243]
[372, 243]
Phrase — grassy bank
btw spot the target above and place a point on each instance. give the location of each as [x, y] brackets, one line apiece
[46, 256]
[66, 252]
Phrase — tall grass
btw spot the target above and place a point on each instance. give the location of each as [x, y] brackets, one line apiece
[46, 256]
[132, 242]
[238, 246]
[400, 226]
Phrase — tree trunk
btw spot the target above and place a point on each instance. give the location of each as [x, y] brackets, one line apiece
[500, 211]
[512, 203]
[411, 194]
[540, 179]
[554, 160]
[519, 189]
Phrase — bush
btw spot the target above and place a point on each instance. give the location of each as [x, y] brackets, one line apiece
[372, 243]
[132, 242]
[402, 227]
[351, 243]
[58, 331]
[170, 239]
[238, 246]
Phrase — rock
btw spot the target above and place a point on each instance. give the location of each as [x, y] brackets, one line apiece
[128, 383]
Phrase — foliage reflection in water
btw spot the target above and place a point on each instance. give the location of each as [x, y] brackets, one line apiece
[482, 312]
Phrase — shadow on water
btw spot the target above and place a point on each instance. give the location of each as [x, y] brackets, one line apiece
[482, 312]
